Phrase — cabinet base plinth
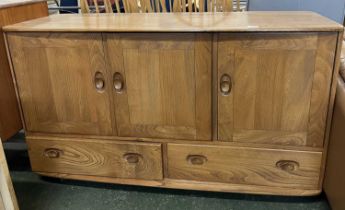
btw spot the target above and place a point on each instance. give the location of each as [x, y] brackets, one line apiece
[191, 185]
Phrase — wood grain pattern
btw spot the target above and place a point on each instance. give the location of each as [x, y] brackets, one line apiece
[139, 107]
[324, 68]
[97, 158]
[57, 91]
[35, 135]
[273, 89]
[249, 166]
[8, 200]
[182, 22]
[270, 137]
[10, 13]
[167, 84]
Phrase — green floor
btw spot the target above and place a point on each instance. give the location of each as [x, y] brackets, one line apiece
[37, 193]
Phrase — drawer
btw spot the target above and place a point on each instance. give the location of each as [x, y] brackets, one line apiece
[240, 165]
[96, 157]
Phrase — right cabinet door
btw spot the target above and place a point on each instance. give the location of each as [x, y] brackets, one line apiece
[274, 88]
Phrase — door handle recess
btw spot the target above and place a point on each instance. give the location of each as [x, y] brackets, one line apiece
[118, 82]
[196, 159]
[288, 165]
[53, 153]
[132, 157]
[99, 81]
[225, 84]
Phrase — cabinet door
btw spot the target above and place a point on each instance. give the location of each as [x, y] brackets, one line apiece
[162, 84]
[274, 88]
[62, 82]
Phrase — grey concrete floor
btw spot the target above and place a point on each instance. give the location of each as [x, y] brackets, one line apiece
[41, 193]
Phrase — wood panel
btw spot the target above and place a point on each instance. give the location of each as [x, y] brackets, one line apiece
[275, 89]
[97, 158]
[253, 21]
[8, 200]
[57, 77]
[166, 81]
[181, 141]
[320, 98]
[10, 120]
[248, 166]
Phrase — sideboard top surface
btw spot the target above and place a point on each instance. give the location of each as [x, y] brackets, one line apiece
[13, 3]
[181, 22]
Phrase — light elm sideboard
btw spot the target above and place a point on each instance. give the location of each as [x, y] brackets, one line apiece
[235, 102]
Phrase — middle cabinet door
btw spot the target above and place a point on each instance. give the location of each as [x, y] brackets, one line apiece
[161, 84]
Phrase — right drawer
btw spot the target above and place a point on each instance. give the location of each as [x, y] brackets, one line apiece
[242, 165]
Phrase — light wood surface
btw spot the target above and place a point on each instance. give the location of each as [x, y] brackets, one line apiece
[10, 13]
[263, 100]
[8, 200]
[214, 142]
[280, 89]
[182, 22]
[166, 81]
[246, 166]
[103, 161]
[56, 76]
[321, 96]
[109, 159]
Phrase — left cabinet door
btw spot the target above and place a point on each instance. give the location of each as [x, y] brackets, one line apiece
[62, 82]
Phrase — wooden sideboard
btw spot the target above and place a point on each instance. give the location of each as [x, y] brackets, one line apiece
[13, 11]
[235, 102]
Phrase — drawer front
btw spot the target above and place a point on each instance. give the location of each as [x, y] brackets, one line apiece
[239, 165]
[98, 158]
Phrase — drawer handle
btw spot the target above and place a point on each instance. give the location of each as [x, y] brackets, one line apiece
[288, 165]
[99, 81]
[225, 84]
[132, 157]
[196, 159]
[118, 82]
[53, 153]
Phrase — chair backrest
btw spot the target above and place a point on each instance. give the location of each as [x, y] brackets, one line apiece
[149, 6]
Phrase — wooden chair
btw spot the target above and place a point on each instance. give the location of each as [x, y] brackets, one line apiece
[148, 6]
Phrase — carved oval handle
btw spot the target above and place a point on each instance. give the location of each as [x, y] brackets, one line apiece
[196, 159]
[118, 82]
[288, 165]
[99, 81]
[99, 84]
[225, 84]
[132, 157]
[53, 153]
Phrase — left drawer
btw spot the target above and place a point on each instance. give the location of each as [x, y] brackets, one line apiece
[96, 157]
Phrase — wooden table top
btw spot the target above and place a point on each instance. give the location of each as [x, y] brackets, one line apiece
[181, 22]
[13, 3]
